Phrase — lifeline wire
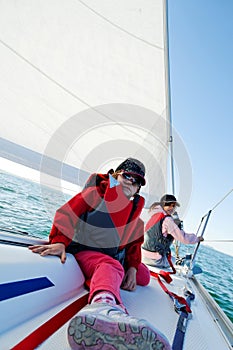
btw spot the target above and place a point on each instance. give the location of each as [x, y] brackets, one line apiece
[218, 240]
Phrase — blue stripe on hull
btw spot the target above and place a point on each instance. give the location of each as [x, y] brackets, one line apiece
[15, 289]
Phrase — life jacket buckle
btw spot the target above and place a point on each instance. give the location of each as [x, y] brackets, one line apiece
[178, 307]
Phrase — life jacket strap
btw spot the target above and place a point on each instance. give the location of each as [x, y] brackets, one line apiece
[180, 304]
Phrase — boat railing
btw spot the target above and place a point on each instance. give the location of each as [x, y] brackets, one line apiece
[203, 225]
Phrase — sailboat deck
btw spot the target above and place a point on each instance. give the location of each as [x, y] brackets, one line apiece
[151, 303]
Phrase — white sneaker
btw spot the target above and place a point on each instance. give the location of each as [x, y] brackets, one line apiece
[102, 326]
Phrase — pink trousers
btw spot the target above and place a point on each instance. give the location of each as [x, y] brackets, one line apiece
[106, 273]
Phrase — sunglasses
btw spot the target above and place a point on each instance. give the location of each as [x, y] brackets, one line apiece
[169, 204]
[132, 179]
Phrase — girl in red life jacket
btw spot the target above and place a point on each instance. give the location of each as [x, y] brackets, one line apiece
[102, 228]
[161, 230]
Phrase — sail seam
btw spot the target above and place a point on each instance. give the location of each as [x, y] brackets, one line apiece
[121, 29]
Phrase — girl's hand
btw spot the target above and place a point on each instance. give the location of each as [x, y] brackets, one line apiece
[129, 281]
[50, 249]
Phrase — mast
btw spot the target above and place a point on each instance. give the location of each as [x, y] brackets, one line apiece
[169, 114]
[170, 135]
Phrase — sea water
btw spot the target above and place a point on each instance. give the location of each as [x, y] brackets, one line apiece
[29, 207]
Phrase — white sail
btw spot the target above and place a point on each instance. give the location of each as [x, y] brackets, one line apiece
[84, 84]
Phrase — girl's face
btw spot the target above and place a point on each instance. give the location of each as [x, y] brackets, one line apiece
[169, 208]
[130, 184]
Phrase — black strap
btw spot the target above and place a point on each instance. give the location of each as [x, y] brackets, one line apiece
[178, 340]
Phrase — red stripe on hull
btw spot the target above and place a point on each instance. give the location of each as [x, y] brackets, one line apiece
[51, 326]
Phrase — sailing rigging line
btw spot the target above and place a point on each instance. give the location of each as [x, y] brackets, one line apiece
[216, 205]
[218, 240]
[207, 215]
[43, 73]
[204, 228]
[120, 28]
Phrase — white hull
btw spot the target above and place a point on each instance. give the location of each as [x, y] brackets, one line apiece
[23, 315]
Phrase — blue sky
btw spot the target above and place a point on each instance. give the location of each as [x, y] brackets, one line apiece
[201, 69]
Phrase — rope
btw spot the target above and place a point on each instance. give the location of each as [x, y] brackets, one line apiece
[216, 205]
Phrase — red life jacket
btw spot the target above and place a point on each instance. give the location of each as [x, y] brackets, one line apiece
[99, 218]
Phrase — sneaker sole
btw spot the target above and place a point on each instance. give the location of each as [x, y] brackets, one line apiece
[90, 332]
